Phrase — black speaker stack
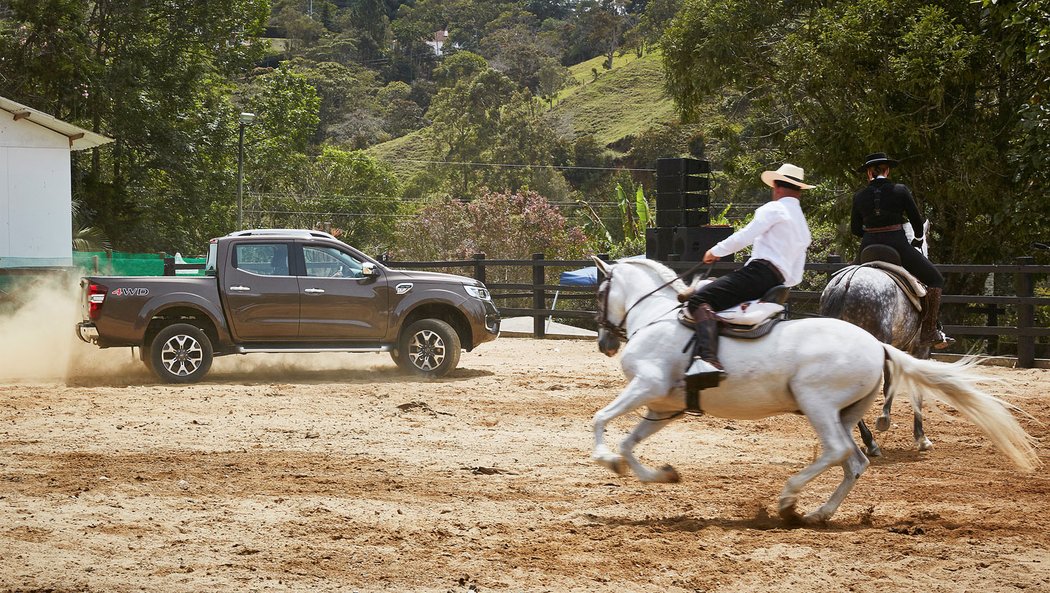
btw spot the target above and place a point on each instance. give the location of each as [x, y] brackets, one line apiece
[683, 212]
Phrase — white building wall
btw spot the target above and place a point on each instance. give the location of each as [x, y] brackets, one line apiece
[35, 194]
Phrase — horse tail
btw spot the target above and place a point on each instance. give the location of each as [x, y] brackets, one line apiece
[954, 384]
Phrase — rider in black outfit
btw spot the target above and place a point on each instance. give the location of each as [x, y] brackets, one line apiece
[878, 213]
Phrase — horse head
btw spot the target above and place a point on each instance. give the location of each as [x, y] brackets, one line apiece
[609, 335]
[625, 295]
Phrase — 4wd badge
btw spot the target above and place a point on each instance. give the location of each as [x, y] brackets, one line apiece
[130, 292]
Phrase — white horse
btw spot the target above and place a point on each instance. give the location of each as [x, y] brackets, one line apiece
[827, 369]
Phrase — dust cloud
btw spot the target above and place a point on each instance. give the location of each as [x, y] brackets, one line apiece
[37, 327]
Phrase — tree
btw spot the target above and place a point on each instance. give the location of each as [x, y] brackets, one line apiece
[286, 107]
[502, 225]
[466, 118]
[552, 78]
[344, 192]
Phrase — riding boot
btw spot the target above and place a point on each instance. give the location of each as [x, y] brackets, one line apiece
[930, 333]
[705, 371]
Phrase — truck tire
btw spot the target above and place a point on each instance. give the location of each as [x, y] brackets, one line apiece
[428, 347]
[180, 353]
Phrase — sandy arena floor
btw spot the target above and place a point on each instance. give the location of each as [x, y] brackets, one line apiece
[335, 473]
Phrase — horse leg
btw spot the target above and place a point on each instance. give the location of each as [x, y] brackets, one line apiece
[643, 430]
[923, 443]
[870, 445]
[637, 393]
[883, 422]
[836, 441]
[853, 466]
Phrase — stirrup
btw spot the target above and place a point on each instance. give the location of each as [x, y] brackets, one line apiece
[703, 375]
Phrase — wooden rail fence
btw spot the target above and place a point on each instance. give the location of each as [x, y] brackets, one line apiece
[539, 291]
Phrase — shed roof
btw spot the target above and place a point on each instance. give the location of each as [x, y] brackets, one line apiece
[79, 138]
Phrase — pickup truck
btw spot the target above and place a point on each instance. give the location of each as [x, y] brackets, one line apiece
[279, 290]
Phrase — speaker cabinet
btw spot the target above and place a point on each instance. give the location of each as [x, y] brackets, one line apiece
[682, 183]
[658, 243]
[691, 243]
[681, 166]
[670, 218]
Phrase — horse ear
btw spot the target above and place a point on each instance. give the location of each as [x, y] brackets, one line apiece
[604, 267]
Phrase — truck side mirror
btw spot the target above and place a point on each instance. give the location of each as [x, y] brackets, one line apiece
[368, 270]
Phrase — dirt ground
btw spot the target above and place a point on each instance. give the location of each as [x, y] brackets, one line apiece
[335, 473]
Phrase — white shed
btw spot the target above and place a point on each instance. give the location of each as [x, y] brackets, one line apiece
[36, 217]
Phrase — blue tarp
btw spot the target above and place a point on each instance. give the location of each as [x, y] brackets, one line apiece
[585, 276]
[582, 277]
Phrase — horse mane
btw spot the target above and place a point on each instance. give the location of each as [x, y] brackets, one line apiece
[663, 272]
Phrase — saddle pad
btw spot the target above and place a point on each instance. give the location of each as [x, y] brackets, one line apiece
[750, 313]
[911, 286]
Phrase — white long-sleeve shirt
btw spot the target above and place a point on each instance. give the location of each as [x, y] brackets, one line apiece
[780, 235]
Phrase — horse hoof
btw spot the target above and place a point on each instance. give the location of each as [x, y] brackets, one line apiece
[882, 424]
[873, 451]
[671, 475]
[788, 512]
[815, 519]
[925, 445]
[613, 462]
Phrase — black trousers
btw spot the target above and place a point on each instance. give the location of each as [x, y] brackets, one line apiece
[911, 258]
[744, 284]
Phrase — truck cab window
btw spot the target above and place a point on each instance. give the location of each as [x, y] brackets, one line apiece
[263, 259]
[329, 262]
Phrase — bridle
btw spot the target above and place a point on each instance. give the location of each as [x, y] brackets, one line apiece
[619, 330]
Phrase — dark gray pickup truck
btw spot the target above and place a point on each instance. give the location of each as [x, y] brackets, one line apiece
[288, 291]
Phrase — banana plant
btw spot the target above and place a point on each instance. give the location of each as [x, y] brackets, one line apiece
[634, 213]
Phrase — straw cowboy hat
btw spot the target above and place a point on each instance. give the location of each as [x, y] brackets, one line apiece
[787, 173]
[877, 158]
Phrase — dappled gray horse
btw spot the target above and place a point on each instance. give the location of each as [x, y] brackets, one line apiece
[870, 298]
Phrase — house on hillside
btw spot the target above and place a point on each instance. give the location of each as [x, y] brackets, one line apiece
[438, 42]
[36, 219]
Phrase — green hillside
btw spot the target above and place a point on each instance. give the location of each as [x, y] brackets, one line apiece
[404, 154]
[620, 102]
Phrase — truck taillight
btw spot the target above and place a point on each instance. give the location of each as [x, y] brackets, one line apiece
[96, 296]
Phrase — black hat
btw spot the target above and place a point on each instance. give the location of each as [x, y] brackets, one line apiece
[877, 158]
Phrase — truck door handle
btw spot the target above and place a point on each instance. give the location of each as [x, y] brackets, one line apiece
[313, 290]
[240, 288]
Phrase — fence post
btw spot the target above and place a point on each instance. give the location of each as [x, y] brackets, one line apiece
[833, 258]
[479, 267]
[539, 297]
[169, 266]
[1024, 287]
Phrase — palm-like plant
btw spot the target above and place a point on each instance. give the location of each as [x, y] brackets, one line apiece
[86, 238]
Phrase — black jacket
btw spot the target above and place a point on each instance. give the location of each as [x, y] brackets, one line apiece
[884, 203]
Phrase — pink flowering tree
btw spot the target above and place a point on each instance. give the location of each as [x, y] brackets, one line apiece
[500, 225]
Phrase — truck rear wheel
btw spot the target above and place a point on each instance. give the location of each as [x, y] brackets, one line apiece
[180, 353]
[428, 347]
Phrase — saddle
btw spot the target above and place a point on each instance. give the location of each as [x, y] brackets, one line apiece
[886, 258]
[747, 321]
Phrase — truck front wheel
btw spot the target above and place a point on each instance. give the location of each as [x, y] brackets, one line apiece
[428, 347]
[180, 353]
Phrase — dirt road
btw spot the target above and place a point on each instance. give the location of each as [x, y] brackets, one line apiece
[334, 473]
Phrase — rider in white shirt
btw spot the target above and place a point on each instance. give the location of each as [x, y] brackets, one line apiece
[780, 237]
